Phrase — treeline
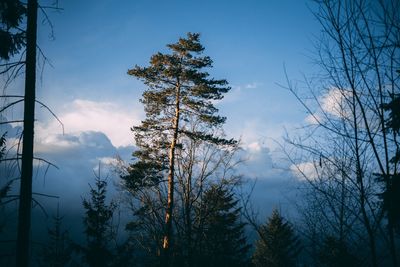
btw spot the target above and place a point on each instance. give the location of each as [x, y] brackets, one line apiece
[217, 239]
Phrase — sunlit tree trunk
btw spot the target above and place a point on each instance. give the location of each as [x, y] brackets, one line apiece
[171, 169]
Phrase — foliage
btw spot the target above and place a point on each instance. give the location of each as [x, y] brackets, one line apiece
[11, 38]
[220, 235]
[179, 106]
[4, 188]
[277, 246]
[98, 226]
[57, 252]
[391, 182]
[2, 145]
[336, 253]
[179, 90]
[393, 106]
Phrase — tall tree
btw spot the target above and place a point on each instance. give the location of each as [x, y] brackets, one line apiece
[220, 237]
[277, 246]
[25, 199]
[179, 89]
[13, 37]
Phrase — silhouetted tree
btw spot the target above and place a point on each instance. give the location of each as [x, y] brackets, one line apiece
[336, 253]
[25, 198]
[4, 189]
[278, 245]
[391, 194]
[98, 226]
[179, 90]
[220, 239]
[57, 252]
[390, 181]
[12, 39]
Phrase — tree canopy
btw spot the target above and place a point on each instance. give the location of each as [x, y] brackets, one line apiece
[179, 103]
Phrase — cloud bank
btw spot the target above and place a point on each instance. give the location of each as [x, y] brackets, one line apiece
[85, 115]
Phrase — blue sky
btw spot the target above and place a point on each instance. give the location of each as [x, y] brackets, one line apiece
[249, 41]
[96, 42]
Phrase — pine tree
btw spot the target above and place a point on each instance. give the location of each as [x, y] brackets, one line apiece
[98, 226]
[220, 234]
[391, 183]
[12, 39]
[179, 91]
[57, 252]
[277, 245]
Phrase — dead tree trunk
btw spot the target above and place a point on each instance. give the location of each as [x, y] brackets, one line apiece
[25, 198]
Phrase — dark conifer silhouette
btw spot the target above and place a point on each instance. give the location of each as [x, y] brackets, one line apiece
[220, 237]
[12, 39]
[336, 253]
[98, 226]
[57, 252]
[277, 245]
[391, 194]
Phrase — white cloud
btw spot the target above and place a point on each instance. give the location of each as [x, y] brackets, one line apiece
[252, 85]
[85, 115]
[313, 119]
[334, 102]
[76, 156]
[237, 91]
[254, 146]
[304, 170]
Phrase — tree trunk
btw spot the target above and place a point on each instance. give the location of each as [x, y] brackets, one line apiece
[360, 182]
[188, 219]
[392, 241]
[171, 169]
[25, 198]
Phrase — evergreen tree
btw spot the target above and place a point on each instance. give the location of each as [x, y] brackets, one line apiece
[179, 91]
[391, 183]
[220, 235]
[57, 252]
[4, 188]
[335, 252]
[98, 226]
[277, 245]
[2, 146]
[12, 39]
